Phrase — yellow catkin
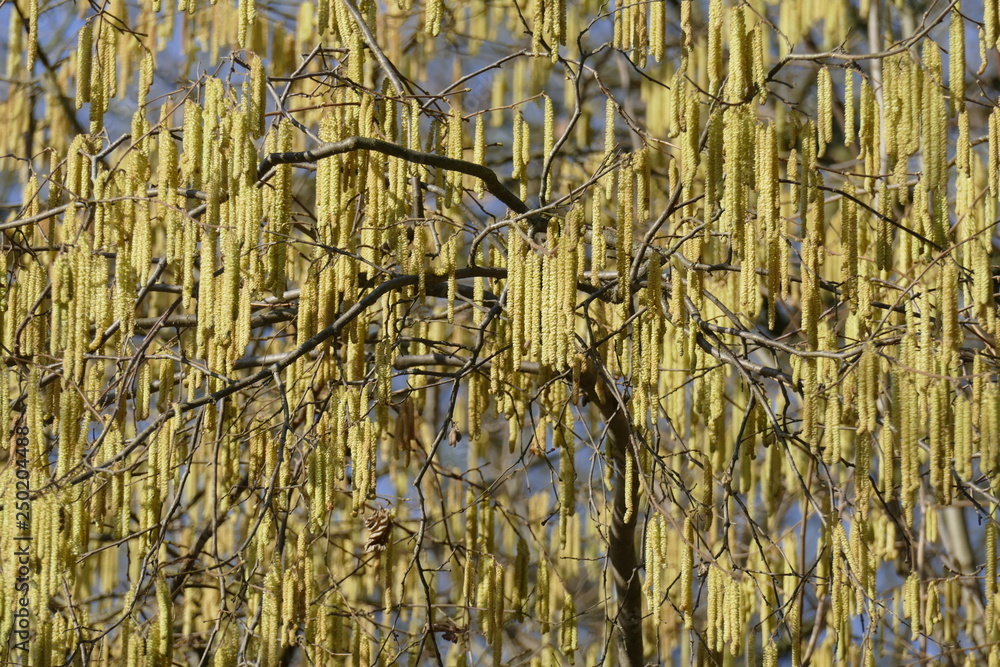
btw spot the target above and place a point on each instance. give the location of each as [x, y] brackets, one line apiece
[542, 595]
[869, 134]
[935, 131]
[450, 265]
[247, 16]
[145, 78]
[654, 562]
[32, 45]
[479, 151]
[993, 160]
[630, 482]
[598, 240]
[686, 31]
[691, 154]
[14, 49]
[687, 571]
[990, 574]
[714, 162]
[792, 175]
[539, 33]
[455, 151]
[519, 589]
[568, 634]
[495, 611]
[84, 63]
[433, 13]
[983, 53]
[525, 158]
[739, 56]
[258, 97]
[533, 307]
[165, 623]
[982, 282]
[758, 64]
[626, 223]
[549, 141]
[712, 611]
[824, 92]
[849, 130]
[610, 110]
[950, 334]
[657, 30]
[768, 212]
[715, 21]
[641, 169]
[517, 167]
[963, 435]
[991, 21]
[909, 452]
[956, 59]
[142, 392]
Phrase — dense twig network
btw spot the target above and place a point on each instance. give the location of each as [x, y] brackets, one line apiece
[665, 333]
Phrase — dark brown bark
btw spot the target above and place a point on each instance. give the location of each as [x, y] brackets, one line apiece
[621, 550]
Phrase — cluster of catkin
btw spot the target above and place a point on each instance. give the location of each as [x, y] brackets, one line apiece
[805, 345]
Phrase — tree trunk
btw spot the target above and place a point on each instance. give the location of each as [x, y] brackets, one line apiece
[621, 550]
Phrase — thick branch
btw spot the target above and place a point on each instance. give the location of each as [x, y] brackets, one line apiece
[621, 549]
[485, 174]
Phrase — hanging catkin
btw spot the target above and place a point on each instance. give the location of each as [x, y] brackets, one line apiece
[869, 135]
[991, 22]
[84, 63]
[626, 222]
[714, 45]
[956, 58]
[739, 56]
[849, 130]
[758, 63]
[824, 93]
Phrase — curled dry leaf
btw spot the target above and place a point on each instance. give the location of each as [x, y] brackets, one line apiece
[379, 527]
[450, 632]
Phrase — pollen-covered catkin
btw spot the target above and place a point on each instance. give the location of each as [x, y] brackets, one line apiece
[990, 541]
[549, 141]
[991, 22]
[145, 78]
[610, 110]
[542, 595]
[165, 623]
[869, 135]
[258, 97]
[626, 224]
[84, 63]
[715, 20]
[32, 45]
[657, 29]
[758, 65]
[739, 56]
[956, 59]
[690, 148]
[598, 240]
[687, 571]
[824, 91]
[517, 138]
[479, 152]
[433, 13]
[993, 159]
[849, 130]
